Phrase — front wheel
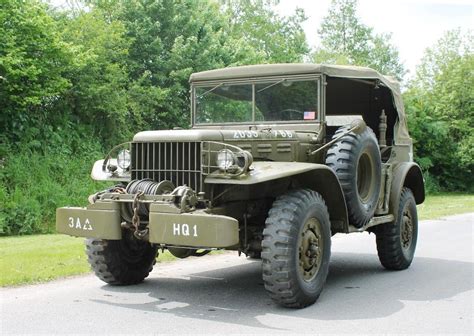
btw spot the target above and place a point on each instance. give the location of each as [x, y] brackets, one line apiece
[396, 242]
[121, 262]
[296, 248]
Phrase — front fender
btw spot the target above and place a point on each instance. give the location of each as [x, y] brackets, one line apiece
[98, 174]
[317, 177]
[263, 171]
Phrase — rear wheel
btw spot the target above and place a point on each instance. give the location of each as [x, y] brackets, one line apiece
[396, 242]
[121, 262]
[296, 248]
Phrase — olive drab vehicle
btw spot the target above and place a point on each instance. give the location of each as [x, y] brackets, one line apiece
[277, 160]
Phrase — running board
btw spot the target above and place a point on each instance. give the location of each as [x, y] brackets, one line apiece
[374, 221]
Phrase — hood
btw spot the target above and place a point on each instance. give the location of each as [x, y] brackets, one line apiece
[218, 135]
[179, 135]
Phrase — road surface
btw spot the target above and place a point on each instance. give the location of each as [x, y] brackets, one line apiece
[224, 294]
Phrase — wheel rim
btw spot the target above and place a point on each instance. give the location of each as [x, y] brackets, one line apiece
[406, 230]
[310, 249]
[364, 173]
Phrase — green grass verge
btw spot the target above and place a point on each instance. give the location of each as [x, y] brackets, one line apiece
[39, 258]
[436, 206]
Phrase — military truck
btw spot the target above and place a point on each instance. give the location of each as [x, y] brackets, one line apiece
[277, 160]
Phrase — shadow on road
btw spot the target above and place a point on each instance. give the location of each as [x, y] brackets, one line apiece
[357, 288]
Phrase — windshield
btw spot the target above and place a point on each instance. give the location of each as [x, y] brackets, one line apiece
[263, 101]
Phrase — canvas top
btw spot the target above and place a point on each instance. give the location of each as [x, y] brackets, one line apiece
[341, 71]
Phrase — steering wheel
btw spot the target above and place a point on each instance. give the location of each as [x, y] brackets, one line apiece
[289, 113]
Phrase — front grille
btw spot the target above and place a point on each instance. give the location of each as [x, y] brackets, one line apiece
[178, 162]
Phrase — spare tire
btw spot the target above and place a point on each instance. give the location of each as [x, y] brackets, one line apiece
[355, 159]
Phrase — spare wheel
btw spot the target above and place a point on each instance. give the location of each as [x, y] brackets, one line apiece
[355, 159]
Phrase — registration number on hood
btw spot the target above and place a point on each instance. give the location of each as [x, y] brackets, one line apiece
[254, 134]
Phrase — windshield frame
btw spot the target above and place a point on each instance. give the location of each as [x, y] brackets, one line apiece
[253, 82]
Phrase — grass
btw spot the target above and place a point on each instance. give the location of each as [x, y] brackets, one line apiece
[436, 206]
[40, 258]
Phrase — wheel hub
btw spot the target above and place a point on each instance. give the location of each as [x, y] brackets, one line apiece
[310, 249]
[131, 248]
[406, 231]
[363, 178]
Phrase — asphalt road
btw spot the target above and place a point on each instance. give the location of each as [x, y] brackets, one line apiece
[224, 294]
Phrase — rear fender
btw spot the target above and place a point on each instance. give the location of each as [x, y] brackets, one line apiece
[317, 177]
[407, 174]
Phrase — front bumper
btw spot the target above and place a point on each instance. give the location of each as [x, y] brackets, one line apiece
[99, 220]
[195, 229]
[167, 225]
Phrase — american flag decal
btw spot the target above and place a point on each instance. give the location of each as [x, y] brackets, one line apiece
[309, 115]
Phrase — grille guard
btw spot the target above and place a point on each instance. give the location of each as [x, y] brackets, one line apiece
[209, 151]
[182, 163]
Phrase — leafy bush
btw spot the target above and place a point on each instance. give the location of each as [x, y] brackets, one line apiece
[33, 183]
[440, 108]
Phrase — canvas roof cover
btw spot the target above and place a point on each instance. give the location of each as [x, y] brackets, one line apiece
[342, 71]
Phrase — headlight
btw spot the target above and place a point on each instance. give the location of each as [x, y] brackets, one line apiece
[225, 159]
[123, 159]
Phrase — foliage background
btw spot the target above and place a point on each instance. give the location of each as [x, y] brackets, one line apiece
[74, 82]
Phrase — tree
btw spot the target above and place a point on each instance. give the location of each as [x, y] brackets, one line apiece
[32, 62]
[449, 48]
[169, 41]
[172, 39]
[342, 34]
[345, 40]
[99, 93]
[274, 39]
[440, 104]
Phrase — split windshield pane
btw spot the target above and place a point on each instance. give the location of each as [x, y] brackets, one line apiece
[273, 100]
[223, 104]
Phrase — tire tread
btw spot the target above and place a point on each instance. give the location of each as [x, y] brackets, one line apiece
[341, 158]
[104, 258]
[388, 239]
[277, 268]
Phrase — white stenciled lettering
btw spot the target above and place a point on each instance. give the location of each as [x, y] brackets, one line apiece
[176, 229]
[282, 134]
[245, 134]
[75, 223]
[87, 225]
[185, 229]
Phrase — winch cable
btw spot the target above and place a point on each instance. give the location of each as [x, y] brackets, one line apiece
[146, 187]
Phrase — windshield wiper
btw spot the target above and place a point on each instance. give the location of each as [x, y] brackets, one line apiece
[273, 84]
[210, 90]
